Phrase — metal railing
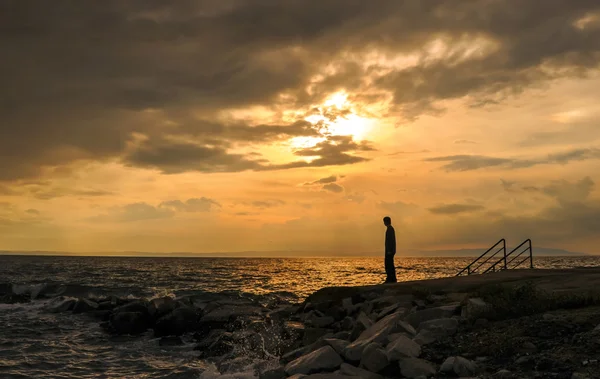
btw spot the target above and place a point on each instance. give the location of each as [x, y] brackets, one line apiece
[472, 270]
[504, 262]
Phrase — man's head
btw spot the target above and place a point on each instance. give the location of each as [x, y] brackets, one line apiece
[387, 221]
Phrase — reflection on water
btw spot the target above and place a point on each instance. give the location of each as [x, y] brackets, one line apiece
[301, 276]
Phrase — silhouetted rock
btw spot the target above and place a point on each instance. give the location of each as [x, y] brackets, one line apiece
[459, 366]
[161, 306]
[323, 359]
[178, 322]
[276, 373]
[129, 322]
[349, 370]
[337, 344]
[13, 298]
[374, 358]
[62, 306]
[402, 347]
[427, 314]
[377, 333]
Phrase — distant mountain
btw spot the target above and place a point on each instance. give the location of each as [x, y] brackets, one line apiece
[537, 251]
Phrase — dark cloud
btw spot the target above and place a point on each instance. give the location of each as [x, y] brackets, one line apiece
[78, 77]
[329, 179]
[202, 204]
[176, 157]
[44, 193]
[333, 187]
[399, 208]
[32, 211]
[475, 162]
[453, 209]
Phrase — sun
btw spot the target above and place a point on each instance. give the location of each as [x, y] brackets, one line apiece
[337, 116]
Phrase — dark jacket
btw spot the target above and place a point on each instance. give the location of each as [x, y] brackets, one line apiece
[390, 240]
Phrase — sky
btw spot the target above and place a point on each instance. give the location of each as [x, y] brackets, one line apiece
[268, 125]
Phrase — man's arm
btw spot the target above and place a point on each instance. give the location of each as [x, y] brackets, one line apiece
[390, 241]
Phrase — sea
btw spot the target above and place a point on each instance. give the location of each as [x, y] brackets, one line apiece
[37, 344]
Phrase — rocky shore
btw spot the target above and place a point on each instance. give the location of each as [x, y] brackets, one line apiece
[496, 329]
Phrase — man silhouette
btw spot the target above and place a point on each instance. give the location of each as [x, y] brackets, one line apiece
[390, 250]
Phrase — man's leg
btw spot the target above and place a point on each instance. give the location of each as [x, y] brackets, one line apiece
[389, 269]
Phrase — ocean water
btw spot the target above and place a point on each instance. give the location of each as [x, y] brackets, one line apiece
[38, 344]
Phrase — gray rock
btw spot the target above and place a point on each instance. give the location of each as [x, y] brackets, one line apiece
[85, 305]
[322, 359]
[378, 333]
[425, 337]
[446, 311]
[402, 347]
[297, 376]
[440, 328]
[460, 366]
[481, 323]
[347, 323]
[448, 365]
[348, 305]
[276, 373]
[342, 336]
[349, 370]
[374, 358]
[579, 375]
[320, 322]
[311, 335]
[474, 307]
[415, 367]
[388, 310]
[337, 344]
[364, 320]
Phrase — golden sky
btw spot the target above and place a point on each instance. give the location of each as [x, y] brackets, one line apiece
[227, 126]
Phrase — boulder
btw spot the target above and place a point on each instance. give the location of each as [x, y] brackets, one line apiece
[178, 322]
[129, 322]
[320, 322]
[440, 328]
[378, 333]
[402, 347]
[460, 366]
[161, 306]
[343, 335]
[323, 359]
[425, 337]
[275, 373]
[347, 323]
[474, 308]
[62, 306]
[84, 305]
[348, 306]
[134, 306]
[349, 370]
[337, 344]
[313, 334]
[388, 310]
[374, 358]
[414, 368]
[417, 317]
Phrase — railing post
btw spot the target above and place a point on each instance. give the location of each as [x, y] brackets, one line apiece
[530, 254]
[469, 270]
[505, 266]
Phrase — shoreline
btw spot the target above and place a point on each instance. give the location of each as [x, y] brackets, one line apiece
[497, 325]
